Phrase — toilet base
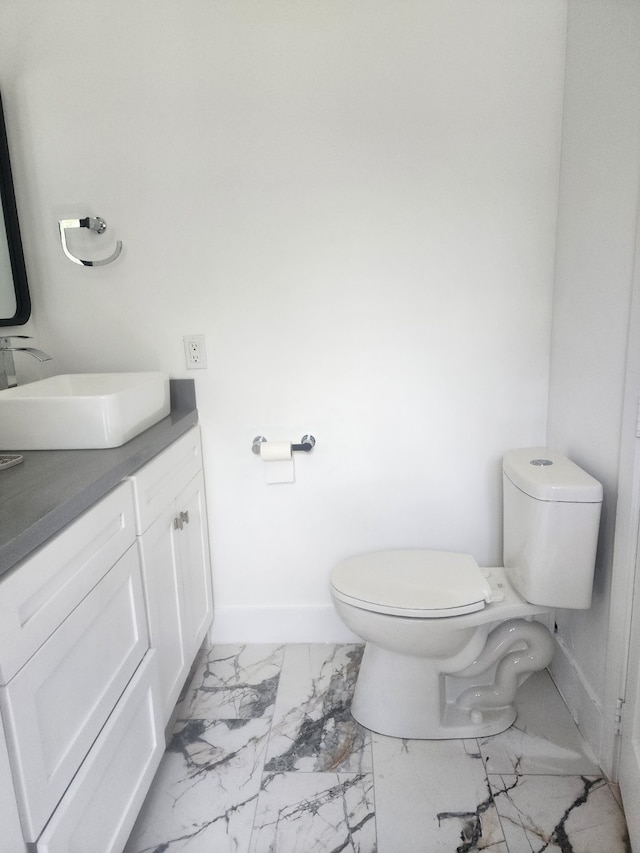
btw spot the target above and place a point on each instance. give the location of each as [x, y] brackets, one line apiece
[404, 696]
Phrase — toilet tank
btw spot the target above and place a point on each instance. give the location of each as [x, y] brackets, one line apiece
[551, 521]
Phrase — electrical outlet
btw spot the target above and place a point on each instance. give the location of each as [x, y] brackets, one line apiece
[194, 352]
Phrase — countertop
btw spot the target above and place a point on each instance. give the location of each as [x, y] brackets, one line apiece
[53, 487]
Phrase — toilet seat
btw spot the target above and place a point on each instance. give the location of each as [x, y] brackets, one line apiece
[415, 583]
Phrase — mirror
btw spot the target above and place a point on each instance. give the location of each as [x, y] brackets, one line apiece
[15, 305]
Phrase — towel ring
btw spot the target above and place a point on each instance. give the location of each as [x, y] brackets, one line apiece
[96, 224]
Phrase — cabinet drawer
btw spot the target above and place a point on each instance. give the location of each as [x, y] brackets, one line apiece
[157, 483]
[56, 705]
[99, 809]
[42, 590]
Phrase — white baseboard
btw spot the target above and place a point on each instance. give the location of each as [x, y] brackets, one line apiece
[279, 625]
[578, 696]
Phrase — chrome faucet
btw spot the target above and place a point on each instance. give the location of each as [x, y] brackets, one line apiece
[8, 377]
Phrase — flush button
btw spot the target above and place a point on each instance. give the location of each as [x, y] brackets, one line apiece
[541, 462]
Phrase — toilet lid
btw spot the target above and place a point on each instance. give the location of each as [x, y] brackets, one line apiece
[423, 584]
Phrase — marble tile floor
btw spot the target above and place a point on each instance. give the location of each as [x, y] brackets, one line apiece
[266, 758]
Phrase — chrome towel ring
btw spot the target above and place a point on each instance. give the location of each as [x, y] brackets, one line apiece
[96, 224]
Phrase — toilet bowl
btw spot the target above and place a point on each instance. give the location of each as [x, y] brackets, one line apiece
[418, 663]
[448, 643]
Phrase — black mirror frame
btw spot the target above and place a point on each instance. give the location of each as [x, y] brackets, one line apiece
[12, 228]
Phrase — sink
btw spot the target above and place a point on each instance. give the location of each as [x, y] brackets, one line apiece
[78, 411]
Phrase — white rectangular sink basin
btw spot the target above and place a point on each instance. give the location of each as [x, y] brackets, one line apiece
[79, 411]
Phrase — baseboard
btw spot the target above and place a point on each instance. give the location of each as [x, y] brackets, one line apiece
[582, 703]
[279, 625]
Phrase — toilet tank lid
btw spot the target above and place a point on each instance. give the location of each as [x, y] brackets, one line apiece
[546, 475]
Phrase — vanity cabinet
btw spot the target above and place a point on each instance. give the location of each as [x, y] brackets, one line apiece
[78, 683]
[174, 550]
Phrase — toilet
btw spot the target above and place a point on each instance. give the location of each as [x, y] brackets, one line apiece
[448, 643]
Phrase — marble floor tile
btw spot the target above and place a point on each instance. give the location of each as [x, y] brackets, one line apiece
[266, 758]
[566, 814]
[235, 682]
[315, 813]
[204, 796]
[433, 796]
[313, 730]
[544, 738]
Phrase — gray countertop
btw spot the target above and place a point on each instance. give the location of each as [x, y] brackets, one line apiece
[52, 487]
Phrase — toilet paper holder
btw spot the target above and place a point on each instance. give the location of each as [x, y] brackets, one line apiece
[307, 443]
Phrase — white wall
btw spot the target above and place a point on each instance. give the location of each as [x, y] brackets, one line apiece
[596, 240]
[354, 202]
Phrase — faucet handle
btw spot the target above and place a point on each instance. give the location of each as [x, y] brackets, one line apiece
[5, 341]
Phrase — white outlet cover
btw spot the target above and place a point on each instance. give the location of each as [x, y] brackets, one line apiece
[195, 352]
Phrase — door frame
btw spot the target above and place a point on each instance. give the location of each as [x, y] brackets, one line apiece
[627, 540]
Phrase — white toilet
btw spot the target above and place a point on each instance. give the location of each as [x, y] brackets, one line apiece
[449, 643]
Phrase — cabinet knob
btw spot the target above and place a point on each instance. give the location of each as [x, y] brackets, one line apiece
[184, 516]
[178, 523]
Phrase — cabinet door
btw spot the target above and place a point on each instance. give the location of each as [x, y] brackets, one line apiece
[197, 599]
[56, 705]
[161, 572]
[100, 806]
